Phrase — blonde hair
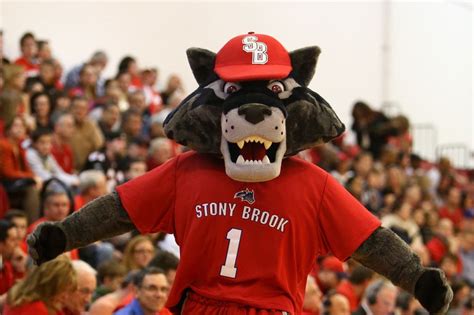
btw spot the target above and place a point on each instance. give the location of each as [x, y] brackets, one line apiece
[128, 260]
[43, 283]
[10, 72]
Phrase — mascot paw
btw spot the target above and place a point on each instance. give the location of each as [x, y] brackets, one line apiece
[46, 242]
[433, 291]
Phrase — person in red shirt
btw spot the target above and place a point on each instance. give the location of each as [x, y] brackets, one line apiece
[15, 173]
[330, 273]
[44, 291]
[129, 65]
[56, 206]
[61, 149]
[29, 49]
[452, 208]
[19, 219]
[354, 287]
[8, 242]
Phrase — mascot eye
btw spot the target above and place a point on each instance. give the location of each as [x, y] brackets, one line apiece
[230, 87]
[276, 87]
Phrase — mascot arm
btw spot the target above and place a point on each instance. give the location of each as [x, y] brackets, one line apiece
[101, 218]
[385, 253]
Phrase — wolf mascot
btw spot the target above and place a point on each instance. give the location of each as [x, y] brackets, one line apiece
[250, 219]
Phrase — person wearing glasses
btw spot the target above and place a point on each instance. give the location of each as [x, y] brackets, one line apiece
[151, 294]
[79, 300]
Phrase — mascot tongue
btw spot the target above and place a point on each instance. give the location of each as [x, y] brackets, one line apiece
[253, 151]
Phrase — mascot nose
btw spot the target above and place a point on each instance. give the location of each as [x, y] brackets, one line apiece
[254, 113]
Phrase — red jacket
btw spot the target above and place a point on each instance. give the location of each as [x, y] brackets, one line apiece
[13, 166]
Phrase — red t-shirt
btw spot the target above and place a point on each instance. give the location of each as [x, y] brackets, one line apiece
[256, 252]
[345, 288]
[31, 69]
[64, 156]
[37, 308]
[7, 277]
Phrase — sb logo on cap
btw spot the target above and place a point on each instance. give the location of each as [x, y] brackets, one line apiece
[258, 49]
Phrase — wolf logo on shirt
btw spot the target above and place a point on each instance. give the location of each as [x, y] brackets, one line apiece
[245, 195]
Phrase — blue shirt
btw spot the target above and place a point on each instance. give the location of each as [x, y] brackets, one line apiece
[133, 308]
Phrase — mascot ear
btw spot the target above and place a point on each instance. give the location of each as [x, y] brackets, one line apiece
[304, 64]
[202, 63]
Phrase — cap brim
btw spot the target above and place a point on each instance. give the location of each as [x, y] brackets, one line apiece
[252, 72]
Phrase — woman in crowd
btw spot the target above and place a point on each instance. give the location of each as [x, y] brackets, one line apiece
[138, 253]
[44, 290]
[40, 105]
[15, 173]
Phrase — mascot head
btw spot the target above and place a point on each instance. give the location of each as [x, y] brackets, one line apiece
[253, 106]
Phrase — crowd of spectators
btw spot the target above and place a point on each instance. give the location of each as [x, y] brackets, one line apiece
[68, 137]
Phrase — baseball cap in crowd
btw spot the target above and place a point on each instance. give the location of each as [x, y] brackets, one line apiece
[333, 264]
[252, 57]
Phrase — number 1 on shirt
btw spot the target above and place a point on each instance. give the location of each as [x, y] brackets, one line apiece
[228, 269]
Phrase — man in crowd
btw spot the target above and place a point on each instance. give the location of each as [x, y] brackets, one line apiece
[29, 49]
[87, 137]
[152, 293]
[80, 299]
[380, 299]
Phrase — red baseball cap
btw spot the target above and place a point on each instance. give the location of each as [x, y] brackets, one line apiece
[252, 57]
[332, 263]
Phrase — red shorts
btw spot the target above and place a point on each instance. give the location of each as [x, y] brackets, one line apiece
[197, 304]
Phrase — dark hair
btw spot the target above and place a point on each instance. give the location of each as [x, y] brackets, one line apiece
[38, 133]
[129, 114]
[164, 260]
[14, 213]
[450, 256]
[360, 274]
[138, 279]
[41, 43]
[125, 166]
[108, 82]
[25, 37]
[5, 226]
[361, 109]
[35, 97]
[111, 269]
[125, 64]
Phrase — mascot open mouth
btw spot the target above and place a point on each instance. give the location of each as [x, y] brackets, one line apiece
[253, 150]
